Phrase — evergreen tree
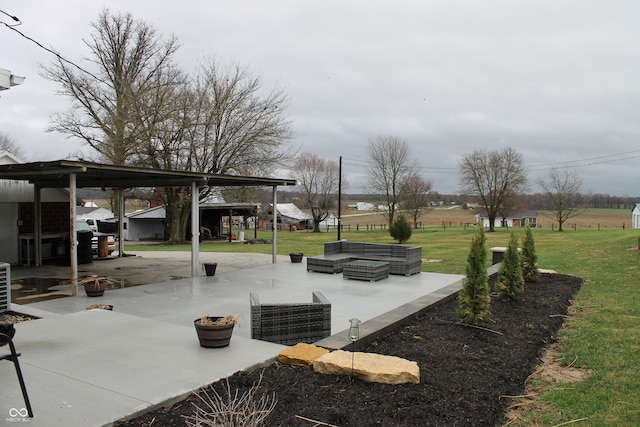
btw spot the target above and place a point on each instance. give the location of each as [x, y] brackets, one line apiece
[529, 258]
[510, 280]
[400, 229]
[473, 299]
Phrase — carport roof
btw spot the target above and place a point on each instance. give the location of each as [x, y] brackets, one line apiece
[55, 174]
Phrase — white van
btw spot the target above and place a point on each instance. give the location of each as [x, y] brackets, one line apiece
[93, 224]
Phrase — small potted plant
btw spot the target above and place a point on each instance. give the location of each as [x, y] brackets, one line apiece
[94, 286]
[296, 257]
[215, 332]
[210, 268]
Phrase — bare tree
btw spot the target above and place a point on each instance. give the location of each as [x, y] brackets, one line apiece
[131, 61]
[139, 109]
[390, 167]
[495, 177]
[231, 126]
[415, 196]
[562, 188]
[239, 129]
[8, 144]
[319, 180]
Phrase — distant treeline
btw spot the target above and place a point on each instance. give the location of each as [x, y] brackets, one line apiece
[602, 201]
[531, 201]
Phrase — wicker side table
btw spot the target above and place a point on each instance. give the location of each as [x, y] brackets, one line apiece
[366, 270]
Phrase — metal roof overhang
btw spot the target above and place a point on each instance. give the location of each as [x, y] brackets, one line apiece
[58, 174]
[55, 174]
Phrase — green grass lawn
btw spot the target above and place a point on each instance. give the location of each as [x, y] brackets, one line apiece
[602, 335]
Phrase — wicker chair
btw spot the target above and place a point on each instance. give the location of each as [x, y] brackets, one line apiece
[291, 323]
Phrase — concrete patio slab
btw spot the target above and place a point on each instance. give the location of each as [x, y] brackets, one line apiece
[94, 367]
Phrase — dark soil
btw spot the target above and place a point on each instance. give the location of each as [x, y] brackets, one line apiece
[466, 373]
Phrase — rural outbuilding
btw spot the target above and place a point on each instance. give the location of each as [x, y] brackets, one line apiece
[635, 216]
[520, 219]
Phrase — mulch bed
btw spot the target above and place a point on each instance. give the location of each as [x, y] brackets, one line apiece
[8, 319]
[466, 373]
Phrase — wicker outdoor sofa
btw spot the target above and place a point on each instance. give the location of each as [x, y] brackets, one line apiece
[402, 260]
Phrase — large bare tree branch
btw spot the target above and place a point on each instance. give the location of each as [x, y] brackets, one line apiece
[129, 57]
[319, 181]
[562, 188]
[495, 177]
[390, 167]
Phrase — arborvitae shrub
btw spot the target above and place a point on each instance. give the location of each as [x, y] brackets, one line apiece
[510, 282]
[530, 270]
[473, 299]
[400, 229]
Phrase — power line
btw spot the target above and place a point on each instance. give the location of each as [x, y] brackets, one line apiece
[590, 161]
[56, 54]
[15, 19]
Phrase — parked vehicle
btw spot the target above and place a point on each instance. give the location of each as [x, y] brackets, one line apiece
[93, 224]
[85, 226]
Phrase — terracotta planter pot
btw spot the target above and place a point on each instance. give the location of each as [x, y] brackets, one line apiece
[214, 336]
[296, 257]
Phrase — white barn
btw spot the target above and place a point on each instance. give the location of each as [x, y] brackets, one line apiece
[635, 216]
[290, 215]
[330, 222]
[148, 224]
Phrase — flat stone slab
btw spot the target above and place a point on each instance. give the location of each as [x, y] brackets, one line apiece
[301, 354]
[368, 367]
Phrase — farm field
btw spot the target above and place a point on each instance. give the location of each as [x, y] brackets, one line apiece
[457, 216]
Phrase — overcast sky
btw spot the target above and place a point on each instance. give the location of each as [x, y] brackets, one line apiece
[559, 81]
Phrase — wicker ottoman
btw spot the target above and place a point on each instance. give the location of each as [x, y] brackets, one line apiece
[366, 270]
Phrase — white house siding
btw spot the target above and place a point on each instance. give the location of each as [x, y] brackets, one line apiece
[147, 224]
[141, 229]
[635, 216]
[13, 192]
[517, 221]
[9, 233]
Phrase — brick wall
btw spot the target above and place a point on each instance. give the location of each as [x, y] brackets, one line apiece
[55, 217]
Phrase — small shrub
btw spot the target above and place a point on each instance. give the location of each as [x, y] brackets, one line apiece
[232, 410]
[530, 270]
[510, 282]
[473, 299]
[400, 229]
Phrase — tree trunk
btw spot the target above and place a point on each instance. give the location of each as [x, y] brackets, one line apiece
[492, 223]
[175, 215]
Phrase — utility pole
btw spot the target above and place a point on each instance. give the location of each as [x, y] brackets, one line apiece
[339, 196]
